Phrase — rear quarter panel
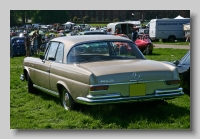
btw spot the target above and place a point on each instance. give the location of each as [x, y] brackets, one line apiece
[76, 80]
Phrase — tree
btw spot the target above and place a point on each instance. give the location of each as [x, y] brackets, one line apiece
[116, 20]
[51, 16]
[78, 19]
[13, 18]
[86, 19]
[127, 16]
[75, 18]
[93, 19]
[106, 19]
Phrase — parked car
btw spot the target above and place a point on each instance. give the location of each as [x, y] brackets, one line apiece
[143, 42]
[183, 67]
[92, 33]
[18, 46]
[86, 69]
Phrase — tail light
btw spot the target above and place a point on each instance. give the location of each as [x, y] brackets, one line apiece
[171, 82]
[98, 88]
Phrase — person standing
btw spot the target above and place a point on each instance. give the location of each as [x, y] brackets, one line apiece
[35, 43]
[27, 44]
[39, 40]
[117, 31]
[109, 31]
[134, 35]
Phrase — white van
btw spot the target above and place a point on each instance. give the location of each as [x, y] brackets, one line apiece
[167, 29]
[37, 25]
[124, 27]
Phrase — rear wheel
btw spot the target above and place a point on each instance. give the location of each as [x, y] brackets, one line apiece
[164, 40]
[171, 39]
[66, 100]
[30, 84]
[147, 51]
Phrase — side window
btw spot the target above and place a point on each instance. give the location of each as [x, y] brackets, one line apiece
[60, 52]
[52, 50]
[47, 50]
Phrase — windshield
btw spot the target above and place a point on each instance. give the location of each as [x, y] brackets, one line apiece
[103, 51]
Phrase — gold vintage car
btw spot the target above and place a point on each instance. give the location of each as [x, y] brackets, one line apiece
[89, 69]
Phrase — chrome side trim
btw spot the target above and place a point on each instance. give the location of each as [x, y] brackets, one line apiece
[168, 91]
[107, 99]
[47, 90]
[131, 82]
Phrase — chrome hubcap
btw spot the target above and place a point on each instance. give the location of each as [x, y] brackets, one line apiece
[66, 101]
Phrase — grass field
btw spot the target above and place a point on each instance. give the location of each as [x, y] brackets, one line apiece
[42, 111]
[172, 43]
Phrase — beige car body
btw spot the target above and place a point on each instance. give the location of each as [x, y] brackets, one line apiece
[146, 77]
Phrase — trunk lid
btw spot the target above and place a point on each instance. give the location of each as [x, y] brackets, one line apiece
[126, 70]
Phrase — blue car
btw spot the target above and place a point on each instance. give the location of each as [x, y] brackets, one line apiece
[18, 46]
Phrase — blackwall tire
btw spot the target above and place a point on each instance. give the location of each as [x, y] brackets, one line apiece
[171, 39]
[30, 84]
[150, 52]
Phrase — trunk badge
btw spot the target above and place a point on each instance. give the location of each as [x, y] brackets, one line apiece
[135, 75]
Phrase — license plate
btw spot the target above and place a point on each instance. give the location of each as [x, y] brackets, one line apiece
[137, 90]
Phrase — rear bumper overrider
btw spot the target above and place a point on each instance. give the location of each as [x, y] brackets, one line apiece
[117, 98]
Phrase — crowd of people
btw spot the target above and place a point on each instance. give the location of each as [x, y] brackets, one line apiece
[34, 42]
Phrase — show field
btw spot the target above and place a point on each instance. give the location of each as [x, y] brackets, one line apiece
[42, 111]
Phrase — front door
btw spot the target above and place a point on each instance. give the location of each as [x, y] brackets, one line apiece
[42, 74]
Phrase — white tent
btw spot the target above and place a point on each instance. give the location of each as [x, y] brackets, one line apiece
[69, 23]
[179, 17]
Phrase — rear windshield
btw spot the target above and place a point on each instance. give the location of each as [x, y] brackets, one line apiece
[103, 51]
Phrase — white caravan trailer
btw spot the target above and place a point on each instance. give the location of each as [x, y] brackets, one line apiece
[124, 27]
[167, 29]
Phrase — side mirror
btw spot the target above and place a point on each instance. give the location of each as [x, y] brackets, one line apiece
[176, 62]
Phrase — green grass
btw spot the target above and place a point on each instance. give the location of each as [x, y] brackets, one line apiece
[94, 25]
[171, 43]
[42, 111]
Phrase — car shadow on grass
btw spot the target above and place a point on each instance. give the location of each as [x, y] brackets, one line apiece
[125, 114]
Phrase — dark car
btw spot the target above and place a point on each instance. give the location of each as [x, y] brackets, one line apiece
[18, 46]
[183, 67]
[92, 33]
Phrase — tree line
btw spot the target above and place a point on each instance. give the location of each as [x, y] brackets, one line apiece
[20, 17]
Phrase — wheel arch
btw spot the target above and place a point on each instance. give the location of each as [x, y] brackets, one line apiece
[25, 71]
[60, 85]
[171, 36]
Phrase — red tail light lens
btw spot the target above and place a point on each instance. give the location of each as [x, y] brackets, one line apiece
[97, 88]
[171, 82]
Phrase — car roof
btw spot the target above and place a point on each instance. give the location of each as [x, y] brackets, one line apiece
[71, 40]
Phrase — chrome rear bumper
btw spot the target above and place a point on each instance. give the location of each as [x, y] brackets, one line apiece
[117, 98]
